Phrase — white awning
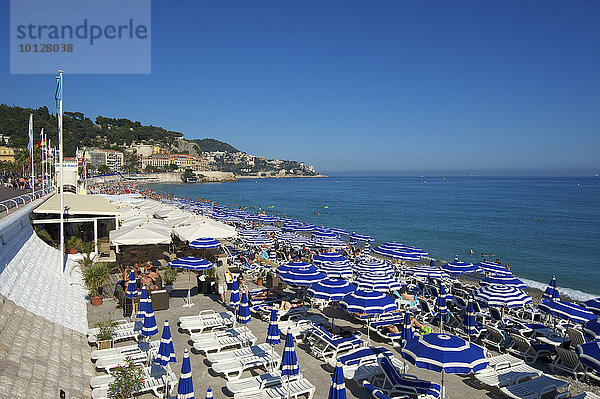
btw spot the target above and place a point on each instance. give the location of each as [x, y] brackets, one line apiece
[141, 235]
[205, 229]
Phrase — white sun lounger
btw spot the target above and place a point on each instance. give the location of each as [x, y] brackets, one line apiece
[505, 374]
[217, 345]
[120, 324]
[205, 315]
[219, 322]
[233, 369]
[296, 388]
[109, 363]
[536, 388]
[225, 356]
[211, 336]
[257, 382]
[153, 371]
[121, 335]
[152, 383]
[124, 350]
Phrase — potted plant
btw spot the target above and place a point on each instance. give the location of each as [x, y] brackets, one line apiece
[169, 277]
[94, 277]
[73, 243]
[128, 379]
[104, 339]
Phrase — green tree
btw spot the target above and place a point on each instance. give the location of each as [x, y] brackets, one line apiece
[103, 170]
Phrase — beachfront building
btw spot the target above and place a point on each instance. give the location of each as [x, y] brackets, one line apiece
[145, 150]
[7, 154]
[112, 159]
[164, 160]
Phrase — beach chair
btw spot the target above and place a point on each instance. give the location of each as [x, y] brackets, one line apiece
[576, 337]
[218, 344]
[296, 388]
[361, 363]
[154, 371]
[216, 321]
[394, 383]
[142, 346]
[537, 388]
[378, 393]
[211, 336]
[155, 378]
[225, 356]
[495, 338]
[567, 362]
[124, 332]
[257, 383]
[206, 314]
[119, 325]
[426, 311]
[325, 345]
[503, 374]
[109, 363]
[299, 327]
[232, 369]
[378, 327]
[523, 347]
[263, 312]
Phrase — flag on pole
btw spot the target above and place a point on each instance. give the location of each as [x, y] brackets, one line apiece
[40, 142]
[30, 144]
[58, 94]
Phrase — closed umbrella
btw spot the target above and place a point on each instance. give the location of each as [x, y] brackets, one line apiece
[469, 320]
[446, 354]
[234, 300]
[143, 305]
[132, 291]
[166, 352]
[551, 293]
[441, 306]
[243, 315]
[273, 338]
[209, 394]
[185, 388]
[338, 386]
[289, 362]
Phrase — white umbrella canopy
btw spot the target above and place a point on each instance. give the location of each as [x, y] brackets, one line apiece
[204, 229]
[168, 212]
[127, 213]
[142, 221]
[177, 220]
[141, 235]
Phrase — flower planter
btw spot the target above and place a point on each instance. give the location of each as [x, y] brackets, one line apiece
[106, 344]
[96, 300]
[169, 288]
[72, 251]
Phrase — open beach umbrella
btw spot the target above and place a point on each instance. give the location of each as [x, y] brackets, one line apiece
[369, 303]
[589, 354]
[330, 289]
[302, 277]
[375, 281]
[328, 242]
[593, 305]
[429, 272]
[567, 310]
[372, 265]
[551, 293]
[501, 296]
[441, 305]
[362, 237]
[185, 388]
[591, 329]
[301, 242]
[166, 352]
[328, 257]
[338, 386]
[190, 263]
[289, 362]
[243, 315]
[395, 253]
[234, 299]
[273, 338]
[258, 240]
[132, 291]
[503, 279]
[404, 248]
[205, 243]
[339, 232]
[333, 269]
[493, 268]
[286, 267]
[458, 267]
[323, 232]
[445, 353]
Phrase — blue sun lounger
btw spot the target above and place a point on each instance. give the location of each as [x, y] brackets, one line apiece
[378, 393]
[394, 383]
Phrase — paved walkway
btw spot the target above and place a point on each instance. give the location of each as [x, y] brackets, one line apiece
[6, 193]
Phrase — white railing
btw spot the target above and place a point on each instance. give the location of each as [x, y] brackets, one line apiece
[7, 205]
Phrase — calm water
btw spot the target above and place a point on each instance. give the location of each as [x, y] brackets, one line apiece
[447, 217]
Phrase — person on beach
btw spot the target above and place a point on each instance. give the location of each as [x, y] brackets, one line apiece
[221, 280]
[274, 292]
[393, 328]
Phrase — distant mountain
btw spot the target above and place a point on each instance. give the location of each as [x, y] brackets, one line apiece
[212, 145]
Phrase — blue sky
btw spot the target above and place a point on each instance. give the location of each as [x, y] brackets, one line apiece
[404, 87]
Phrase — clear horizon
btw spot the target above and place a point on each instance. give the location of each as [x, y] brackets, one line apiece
[406, 88]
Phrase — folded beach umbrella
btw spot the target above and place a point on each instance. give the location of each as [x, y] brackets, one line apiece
[501, 296]
[551, 293]
[341, 269]
[589, 354]
[143, 305]
[185, 388]
[289, 362]
[382, 282]
[166, 352]
[301, 276]
[243, 314]
[273, 338]
[209, 394]
[493, 268]
[567, 310]
[330, 289]
[593, 305]
[132, 291]
[149, 327]
[286, 267]
[469, 320]
[372, 265]
[205, 243]
[338, 386]
[503, 279]
[445, 353]
[458, 267]
[441, 305]
[591, 329]
[234, 300]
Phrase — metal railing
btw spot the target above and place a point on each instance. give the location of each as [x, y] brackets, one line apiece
[7, 205]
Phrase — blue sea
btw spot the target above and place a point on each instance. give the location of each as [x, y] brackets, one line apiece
[541, 226]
